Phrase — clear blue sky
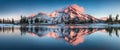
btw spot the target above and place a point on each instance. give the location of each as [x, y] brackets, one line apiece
[97, 8]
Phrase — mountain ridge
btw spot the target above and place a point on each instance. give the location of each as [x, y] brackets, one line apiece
[68, 13]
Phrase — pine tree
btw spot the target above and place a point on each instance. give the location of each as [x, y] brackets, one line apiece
[109, 20]
[117, 17]
[36, 20]
[3, 21]
[0, 21]
[13, 21]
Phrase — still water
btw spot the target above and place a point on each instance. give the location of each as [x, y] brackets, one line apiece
[59, 38]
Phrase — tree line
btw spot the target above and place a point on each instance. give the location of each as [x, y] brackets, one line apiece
[26, 20]
[65, 19]
[7, 21]
[113, 20]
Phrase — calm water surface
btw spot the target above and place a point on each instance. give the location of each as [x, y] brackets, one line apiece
[60, 38]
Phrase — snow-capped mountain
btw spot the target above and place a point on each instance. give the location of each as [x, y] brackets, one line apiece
[72, 12]
[76, 11]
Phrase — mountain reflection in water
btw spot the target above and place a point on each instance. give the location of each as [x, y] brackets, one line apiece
[73, 35]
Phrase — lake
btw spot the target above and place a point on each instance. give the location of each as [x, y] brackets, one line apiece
[55, 37]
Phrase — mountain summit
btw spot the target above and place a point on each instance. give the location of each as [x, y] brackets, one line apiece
[74, 10]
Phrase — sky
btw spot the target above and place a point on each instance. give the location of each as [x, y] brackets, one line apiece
[96, 8]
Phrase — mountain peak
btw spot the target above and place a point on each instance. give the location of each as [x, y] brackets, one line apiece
[75, 7]
[74, 10]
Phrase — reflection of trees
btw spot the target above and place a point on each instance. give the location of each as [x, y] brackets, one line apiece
[36, 30]
[6, 29]
[112, 30]
[72, 34]
[64, 31]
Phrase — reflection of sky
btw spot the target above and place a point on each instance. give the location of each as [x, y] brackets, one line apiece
[98, 8]
[101, 39]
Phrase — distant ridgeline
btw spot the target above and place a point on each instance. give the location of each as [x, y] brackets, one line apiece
[72, 14]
